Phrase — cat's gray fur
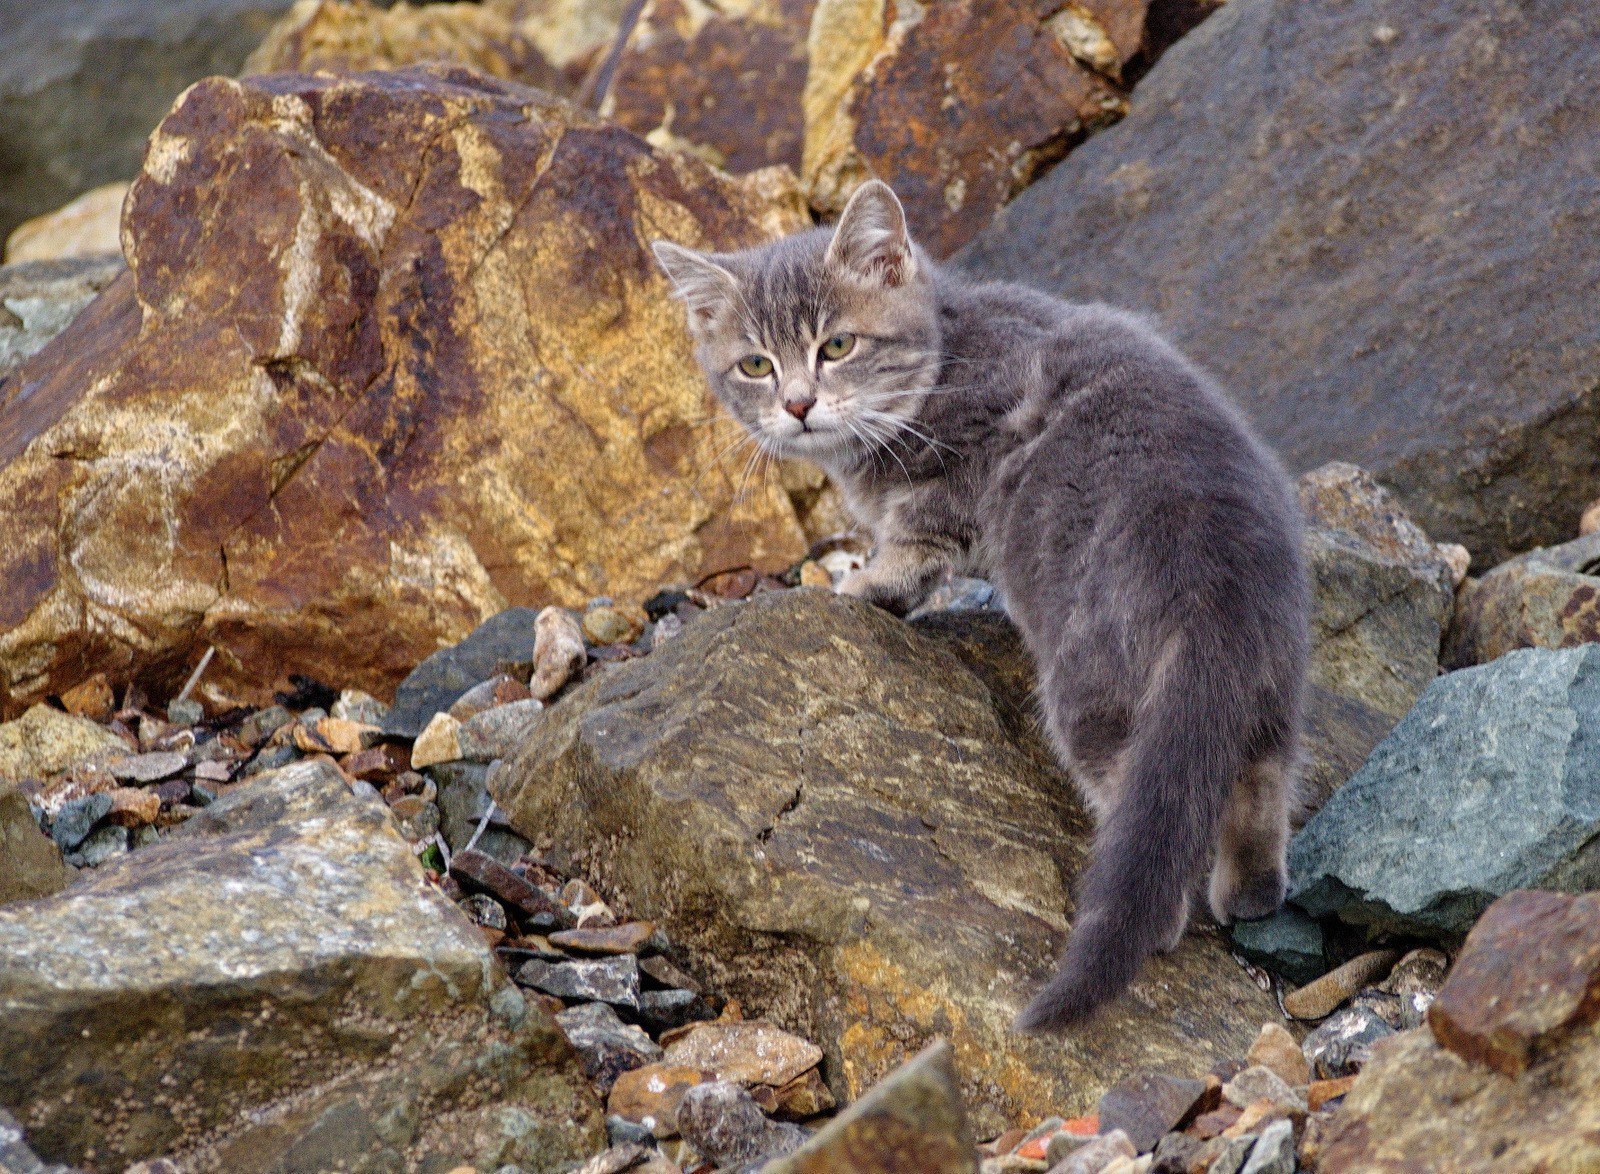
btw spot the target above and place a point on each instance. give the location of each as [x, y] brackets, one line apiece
[1147, 545]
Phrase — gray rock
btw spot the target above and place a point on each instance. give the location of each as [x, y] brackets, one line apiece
[1288, 943]
[1491, 783]
[262, 724]
[854, 813]
[723, 1122]
[15, 1156]
[1259, 1082]
[498, 732]
[605, 980]
[39, 299]
[662, 1010]
[501, 642]
[83, 85]
[1147, 1105]
[99, 846]
[621, 1131]
[185, 712]
[1290, 193]
[147, 768]
[1342, 1044]
[609, 1047]
[270, 759]
[1273, 1152]
[281, 951]
[77, 819]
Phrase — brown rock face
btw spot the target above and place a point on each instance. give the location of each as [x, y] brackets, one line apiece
[855, 817]
[1547, 598]
[957, 103]
[348, 36]
[1528, 974]
[725, 83]
[391, 356]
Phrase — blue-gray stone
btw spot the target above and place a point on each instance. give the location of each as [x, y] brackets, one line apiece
[1288, 943]
[1491, 783]
[76, 820]
[501, 642]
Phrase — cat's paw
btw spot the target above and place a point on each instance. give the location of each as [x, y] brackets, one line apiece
[866, 586]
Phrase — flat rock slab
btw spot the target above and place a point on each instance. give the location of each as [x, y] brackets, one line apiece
[832, 804]
[1491, 783]
[1294, 194]
[278, 962]
[464, 388]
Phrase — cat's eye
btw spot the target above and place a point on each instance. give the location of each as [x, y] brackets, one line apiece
[756, 366]
[838, 346]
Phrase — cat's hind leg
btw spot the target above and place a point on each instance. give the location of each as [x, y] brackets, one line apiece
[1250, 878]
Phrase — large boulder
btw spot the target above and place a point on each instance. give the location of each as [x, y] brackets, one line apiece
[1372, 220]
[1507, 1076]
[39, 299]
[276, 986]
[391, 355]
[1547, 598]
[852, 815]
[82, 84]
[1491, 783]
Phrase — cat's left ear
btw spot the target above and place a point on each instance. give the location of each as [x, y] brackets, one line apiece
[871, 243]
[705, 287]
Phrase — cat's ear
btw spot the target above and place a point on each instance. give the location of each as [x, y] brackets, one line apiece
[871, 243]
[705, 287]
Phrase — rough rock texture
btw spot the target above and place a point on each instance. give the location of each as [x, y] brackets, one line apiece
[831, 803]
[1417, 1106]
[38, 299]
[30, 863]
[89, 226]
[912, 1123]
[724, 83]
[45, 741]
[348, 36]
[82, 84]
[391, 355]
[1383, 591]
[1528, 976]
[1547, 598]
[276, 986]
[957, 104]
[1492, 783]
[1293, 193]
[575, 36]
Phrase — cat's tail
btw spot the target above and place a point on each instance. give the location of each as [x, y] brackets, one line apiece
[1183, 757]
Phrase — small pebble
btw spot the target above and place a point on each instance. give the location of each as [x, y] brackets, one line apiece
[1276, 1049]
[99, 847]
[1261, 1083]
[187, 712]
[617, 624]
[724, 1124]
[558, 651]
[1342, 1045]
[484, 910]
[1330, 992]
[355, 706]
[608, 980]
[148, 768]
[77, 819]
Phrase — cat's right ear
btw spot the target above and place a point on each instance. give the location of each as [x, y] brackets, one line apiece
[705, 287]
[871, 242]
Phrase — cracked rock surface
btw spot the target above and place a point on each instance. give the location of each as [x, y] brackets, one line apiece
[390, 356]
[853, 817]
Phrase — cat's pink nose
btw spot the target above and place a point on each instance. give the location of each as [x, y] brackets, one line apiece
[798, 408]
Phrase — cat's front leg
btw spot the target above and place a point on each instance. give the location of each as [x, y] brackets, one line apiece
[899, 576]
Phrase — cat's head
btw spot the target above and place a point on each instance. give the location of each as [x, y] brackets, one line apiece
[822, 343]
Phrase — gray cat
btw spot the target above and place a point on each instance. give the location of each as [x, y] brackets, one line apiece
[1147, 545]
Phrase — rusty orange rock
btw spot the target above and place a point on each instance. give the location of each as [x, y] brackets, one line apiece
[958, 104]
[725, 84]
[390, 355]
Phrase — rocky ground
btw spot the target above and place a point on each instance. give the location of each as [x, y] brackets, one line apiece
[355, 380]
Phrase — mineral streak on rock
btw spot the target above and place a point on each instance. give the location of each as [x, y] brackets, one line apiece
[391, 355]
